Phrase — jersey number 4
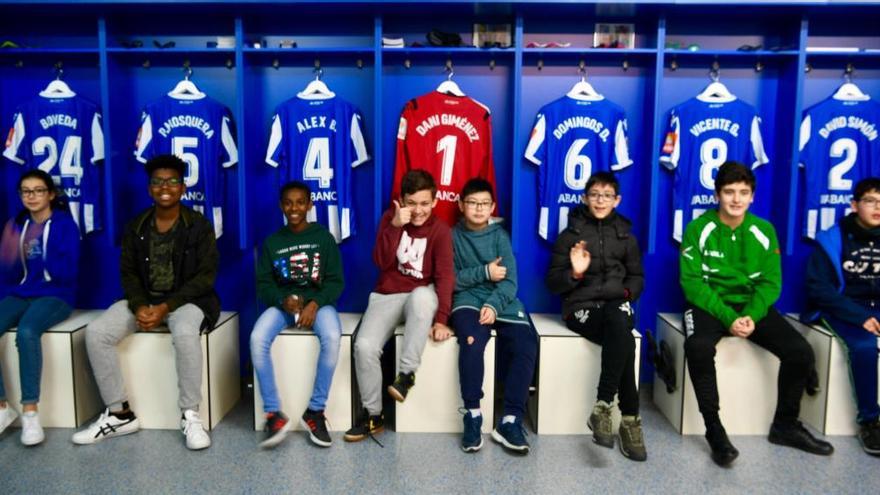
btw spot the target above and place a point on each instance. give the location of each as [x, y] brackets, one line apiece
[71, 152]
[317, 163]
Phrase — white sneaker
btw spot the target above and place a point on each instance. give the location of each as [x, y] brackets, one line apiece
[106, 426]
[7, 417]
[31, 431]
[196, 436]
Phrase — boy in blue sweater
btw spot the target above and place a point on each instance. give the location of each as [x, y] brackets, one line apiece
[485, 299]
[842, 291]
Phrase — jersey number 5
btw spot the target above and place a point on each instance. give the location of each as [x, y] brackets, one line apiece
[179, 145]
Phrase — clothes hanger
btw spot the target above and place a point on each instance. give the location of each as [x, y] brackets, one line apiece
[716, 90]
[316, 90]
[582, 90]
[449, 86]
[848, 91]
[186, 89]
[57, 88]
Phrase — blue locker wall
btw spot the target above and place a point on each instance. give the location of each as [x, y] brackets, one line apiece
[344, 38]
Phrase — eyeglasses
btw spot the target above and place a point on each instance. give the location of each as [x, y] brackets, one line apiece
[37, 193]
[870, 202]
[171, 182]
[478, 205]
[595, 197]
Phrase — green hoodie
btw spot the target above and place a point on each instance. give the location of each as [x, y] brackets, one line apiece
[474, 250]
[723, 267]
[306, 264]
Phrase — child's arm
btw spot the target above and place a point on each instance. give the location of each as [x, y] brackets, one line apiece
[825, 294]
[505, 289]
[559, 276]
[63, 263]
[268, 290]
[634, 281]
[768, 285]
[333, 281]
[695, 290]
[387, 241]
[444, 274]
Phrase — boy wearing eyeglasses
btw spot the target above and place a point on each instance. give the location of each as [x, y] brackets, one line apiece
[842, 293]
[168, 267]
[596, 267]
[485, 299]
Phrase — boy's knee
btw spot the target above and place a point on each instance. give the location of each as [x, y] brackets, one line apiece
[424, 299]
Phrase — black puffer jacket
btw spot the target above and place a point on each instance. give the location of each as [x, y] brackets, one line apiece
[615, 270]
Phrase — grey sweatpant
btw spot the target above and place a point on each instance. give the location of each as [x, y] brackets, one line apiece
[384, 312]
[107, 331]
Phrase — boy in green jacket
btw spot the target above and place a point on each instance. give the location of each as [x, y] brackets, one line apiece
[731, 275]
[485, 298]
[299, 276]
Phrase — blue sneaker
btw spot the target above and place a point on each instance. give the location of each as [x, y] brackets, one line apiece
[472, 438]
[512, 436]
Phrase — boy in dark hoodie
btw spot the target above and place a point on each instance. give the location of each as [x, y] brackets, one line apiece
[842, 292]
[485, 298]
[596, 267]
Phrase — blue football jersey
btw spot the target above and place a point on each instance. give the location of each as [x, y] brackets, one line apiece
[318, 141]
[701, 136]
[200, 131]
[63, 137]
[839, 147]
[572, 139]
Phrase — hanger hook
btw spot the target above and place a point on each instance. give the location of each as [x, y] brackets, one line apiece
[187, 70]
[848, 72]
[582, 70]
[715, 71]
[319, 72]
[59, 70]
[448, 68]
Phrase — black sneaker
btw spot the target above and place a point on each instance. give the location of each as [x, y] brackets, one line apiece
[365, 426]
[795, 435]
[472, 437]
[869, 437]
[401, 386]
[277, 426]
[316, 424]
[512, 436]
[723, 452]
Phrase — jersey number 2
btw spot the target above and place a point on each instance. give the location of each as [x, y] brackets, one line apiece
[847, 149]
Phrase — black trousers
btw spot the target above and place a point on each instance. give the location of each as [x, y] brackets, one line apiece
[610, 326]
[772, 333]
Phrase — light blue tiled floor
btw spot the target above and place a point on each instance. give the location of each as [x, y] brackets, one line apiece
[157, 462]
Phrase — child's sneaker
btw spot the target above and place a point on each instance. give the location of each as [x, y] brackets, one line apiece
[472, 438]
[316, 424]
[7, 417]
[31, 431]
[632, 440]
[401, 386]
[277, 426]
[601, 426]
[107, 425]
[512, 436]
[191, 426]
[365, 426]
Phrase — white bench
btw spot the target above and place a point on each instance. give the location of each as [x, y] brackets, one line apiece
[568, 376]
[432, 404]
[294, 357]
[833, 410]
[746, 376]
[68, 394]
[150, 374]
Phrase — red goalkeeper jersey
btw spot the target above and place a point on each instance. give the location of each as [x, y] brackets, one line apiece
[451, 138]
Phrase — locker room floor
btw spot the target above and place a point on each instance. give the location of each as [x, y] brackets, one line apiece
[154, 461]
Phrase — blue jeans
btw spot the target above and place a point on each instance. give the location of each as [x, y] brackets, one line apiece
[327, 328]
[33, 316]
[861, 347]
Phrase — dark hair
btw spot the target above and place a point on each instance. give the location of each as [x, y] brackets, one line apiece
[169, 162]
[605, 179]
[865, 186]
[415, 181]
[59, 203]
[296, 185]
[732, 172]
[476, 185]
